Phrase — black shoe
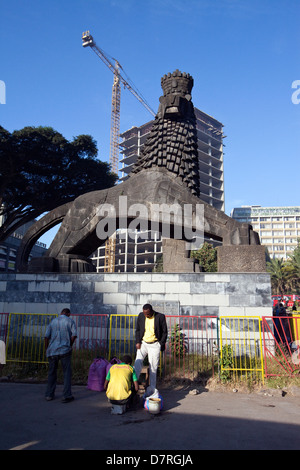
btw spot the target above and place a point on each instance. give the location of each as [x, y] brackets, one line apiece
[67, 400]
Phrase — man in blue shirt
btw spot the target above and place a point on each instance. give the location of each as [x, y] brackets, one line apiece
[59, 338]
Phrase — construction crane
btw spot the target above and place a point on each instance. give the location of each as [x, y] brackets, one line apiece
[119, 78]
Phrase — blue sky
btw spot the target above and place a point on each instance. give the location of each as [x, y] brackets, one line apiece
[243, 55]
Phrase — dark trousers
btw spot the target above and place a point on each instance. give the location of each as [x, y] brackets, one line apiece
[65, 360]
[127, 401]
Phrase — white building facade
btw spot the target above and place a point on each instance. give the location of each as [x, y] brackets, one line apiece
[278, 227]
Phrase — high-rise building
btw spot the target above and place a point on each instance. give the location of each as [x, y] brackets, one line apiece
[140, 255]
[210, 154]
[9, 248]
[278, 227]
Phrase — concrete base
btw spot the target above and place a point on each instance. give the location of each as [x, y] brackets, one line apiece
[241, 258]
[175, 257]
[125, 293]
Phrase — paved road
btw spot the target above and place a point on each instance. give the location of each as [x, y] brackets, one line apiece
[209, 420]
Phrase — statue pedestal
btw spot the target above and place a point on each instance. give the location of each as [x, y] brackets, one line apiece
[241, 259]
[175, 257]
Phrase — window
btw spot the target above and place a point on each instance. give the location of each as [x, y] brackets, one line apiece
[290, 240]
[277, 233]
[289, 232]
[11, 265]
[265, 241]
[2, 250]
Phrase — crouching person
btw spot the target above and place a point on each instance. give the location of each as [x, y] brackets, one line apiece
[121, 384]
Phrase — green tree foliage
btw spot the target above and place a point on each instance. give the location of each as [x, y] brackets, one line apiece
[159, 265]
[207, 256]
[292, 269]
[285, 275]
[278, 278]
[178, 342]
[40, 170]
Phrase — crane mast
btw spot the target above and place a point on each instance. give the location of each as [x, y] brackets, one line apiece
[119, 78]
[115, 121]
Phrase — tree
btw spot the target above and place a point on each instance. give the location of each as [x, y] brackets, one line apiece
[207, 256]
[159, 265]
[276, 267]
[41, 170]
[178, 342]
[293, 268]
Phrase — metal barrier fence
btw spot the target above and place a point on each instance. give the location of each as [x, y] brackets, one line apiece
[25, 337]
[234, 346]
[241, 348]
[281, 345]
[121, 335]
[3, 326]
[92, 340]
[192, 346]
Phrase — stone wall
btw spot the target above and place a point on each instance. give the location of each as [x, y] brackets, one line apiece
[221, 294]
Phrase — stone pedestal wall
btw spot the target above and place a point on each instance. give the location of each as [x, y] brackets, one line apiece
[221, 294]
[241, 258]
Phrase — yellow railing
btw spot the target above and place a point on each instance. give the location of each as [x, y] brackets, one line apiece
[241, 348]
[122, 334]
[25, 337]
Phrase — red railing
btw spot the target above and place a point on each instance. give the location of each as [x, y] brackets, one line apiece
[192, 346]
[281, 345]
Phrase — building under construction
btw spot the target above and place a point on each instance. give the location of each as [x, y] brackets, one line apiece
[140, 252]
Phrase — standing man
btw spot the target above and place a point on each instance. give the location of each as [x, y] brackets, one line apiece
[59, 338]
[151, 335]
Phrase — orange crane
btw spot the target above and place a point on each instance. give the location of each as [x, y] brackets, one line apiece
[119, 77]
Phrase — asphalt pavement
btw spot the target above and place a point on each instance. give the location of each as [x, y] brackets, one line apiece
[205, 421]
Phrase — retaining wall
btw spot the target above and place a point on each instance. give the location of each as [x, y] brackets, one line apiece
[221, 294]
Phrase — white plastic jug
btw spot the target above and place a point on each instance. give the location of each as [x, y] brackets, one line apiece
[154, 405]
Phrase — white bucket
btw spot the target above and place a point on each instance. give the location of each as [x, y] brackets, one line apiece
[154, 405]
